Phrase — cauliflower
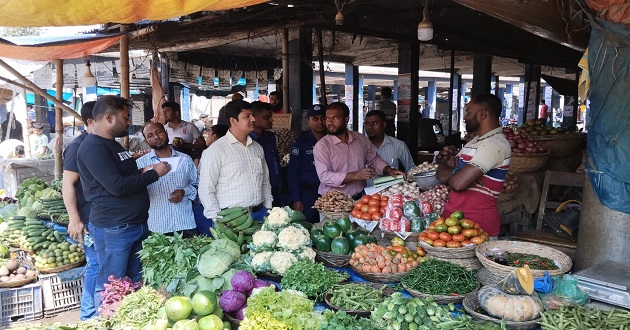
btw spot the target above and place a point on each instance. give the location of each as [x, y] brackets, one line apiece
[293, 238]
[307, 254]
[281, 261]
[277, 218]
[260, 261]
[263, 240]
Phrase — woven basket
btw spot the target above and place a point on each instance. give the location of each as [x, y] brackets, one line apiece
[468, 263]
[562, 145]
[380, 278]
[442, 299]
[387, 291]
[563, 261]
[525, 163]
[449, 253]
[14, 284]
[486, 277]
[331, 259]
[61, 268]
[333, 215]
[471, 305]
[235, 323]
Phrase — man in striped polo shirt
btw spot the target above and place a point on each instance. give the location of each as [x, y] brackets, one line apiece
[476, 175]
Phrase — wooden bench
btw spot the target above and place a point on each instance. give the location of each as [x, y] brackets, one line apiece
[545, 236]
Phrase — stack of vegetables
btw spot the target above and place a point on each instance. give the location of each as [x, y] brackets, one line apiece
[58, 254]
[313, 279]
[336, 237]
[236, 224]
[440, 278]
[370, 207]
[437, 197]
[234, 301]
[280, 243]
[403, 214]
[513, 298]
[50, 206]
[453, 232]
[372, 258]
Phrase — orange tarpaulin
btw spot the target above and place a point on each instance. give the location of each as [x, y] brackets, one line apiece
[54, 51]
[82, 12]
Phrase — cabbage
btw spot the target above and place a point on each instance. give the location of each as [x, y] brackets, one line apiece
[231, 301]
[214, 262]
[242, 281]
[231, 247]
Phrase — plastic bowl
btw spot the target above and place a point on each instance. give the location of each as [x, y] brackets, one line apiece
[426, 180]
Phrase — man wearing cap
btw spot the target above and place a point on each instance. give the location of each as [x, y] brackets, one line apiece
[302, 177]
[201, 123]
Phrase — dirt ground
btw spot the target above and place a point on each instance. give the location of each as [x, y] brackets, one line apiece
[63, 318]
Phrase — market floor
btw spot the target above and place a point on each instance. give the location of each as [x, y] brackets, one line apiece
[63, 318]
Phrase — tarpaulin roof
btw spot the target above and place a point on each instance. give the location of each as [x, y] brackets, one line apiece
[81, 12]
[49, 49]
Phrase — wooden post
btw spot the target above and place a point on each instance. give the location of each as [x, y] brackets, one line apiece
[285, 70]
[124, 74]
[322, 74]
[59, 121]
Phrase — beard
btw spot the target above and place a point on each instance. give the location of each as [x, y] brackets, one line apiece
[338, 131]
[472, 125]
[158, 146]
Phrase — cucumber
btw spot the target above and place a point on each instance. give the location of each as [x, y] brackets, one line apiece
[58, 236]
[33, 222]
[47, 232]
[17, 217]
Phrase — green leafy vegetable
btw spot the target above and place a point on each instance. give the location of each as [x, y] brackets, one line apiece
[341, 320]
[440, 278]
[311, 278]
[138, 309]
[285, 308]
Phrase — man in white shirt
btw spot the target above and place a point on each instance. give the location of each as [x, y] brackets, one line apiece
[392, 150]
[184, 136]
[233, 171]
[201, 123]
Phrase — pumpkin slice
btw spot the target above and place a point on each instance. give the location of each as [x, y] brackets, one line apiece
[516, 308]
[519, 281]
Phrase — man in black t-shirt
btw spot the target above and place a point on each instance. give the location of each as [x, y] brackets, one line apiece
[117, 192]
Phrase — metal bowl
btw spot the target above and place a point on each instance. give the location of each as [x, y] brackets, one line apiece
[426, 180]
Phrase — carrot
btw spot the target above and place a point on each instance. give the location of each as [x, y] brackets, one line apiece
[399, 249]
[386, 270]
[375, 269]
[388, 262]
[381, 264]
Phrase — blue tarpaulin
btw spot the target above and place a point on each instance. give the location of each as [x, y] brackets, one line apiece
[608, 134]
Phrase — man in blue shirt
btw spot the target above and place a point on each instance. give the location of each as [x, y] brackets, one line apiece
[268, 140]
[170, 196]
[79, 211]
[117, 192]
[303, 179]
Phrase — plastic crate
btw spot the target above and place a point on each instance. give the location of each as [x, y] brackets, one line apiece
[21, 304]
[60, 296]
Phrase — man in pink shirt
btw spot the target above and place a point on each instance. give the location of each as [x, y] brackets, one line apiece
[345, 160]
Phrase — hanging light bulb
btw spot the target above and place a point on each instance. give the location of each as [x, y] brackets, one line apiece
[425, 28]
[339, 18]
[89, 79]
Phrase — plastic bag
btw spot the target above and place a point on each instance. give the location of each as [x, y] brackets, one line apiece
[565, 293]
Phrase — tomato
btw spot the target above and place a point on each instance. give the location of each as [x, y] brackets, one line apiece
[479, 231]
[466, 242]
[485, 237]
[374, 202]
[477, 226]
[477, 240]
[364, 208]
[376, 196]
[441, 228]
[451, 222]
[376, 216]
[439, 221]
[469, 232]
[358, 205]
[383, 203]
[467, 224]
[453, 244]
[431, 226]
[367, 216]
[433, 235]
[420, 251]
[355, 213]
[439, 243]
[422, 235]
[446, 237]
[454, 230]
[457, 215]
[428, 241]
[458, 238]
[373, 209]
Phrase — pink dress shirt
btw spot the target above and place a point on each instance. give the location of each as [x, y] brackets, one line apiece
[334, 159]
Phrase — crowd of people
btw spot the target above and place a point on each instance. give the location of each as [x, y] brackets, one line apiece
[116, 198]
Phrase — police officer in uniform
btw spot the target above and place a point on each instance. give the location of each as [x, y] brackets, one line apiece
[303, 179]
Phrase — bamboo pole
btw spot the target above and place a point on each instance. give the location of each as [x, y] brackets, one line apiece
[285, 70]
[59, 121]
[124, 75]
[28, 85]
[322, 74]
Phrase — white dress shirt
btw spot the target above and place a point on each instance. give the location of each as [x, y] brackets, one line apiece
[233, 174]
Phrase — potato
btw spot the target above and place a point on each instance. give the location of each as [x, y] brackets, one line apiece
[21, 270]
[19, 277]
[4, 279]
[30, 273]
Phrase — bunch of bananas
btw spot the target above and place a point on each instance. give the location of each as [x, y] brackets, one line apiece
[236, 224]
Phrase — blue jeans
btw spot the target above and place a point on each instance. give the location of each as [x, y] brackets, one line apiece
[88, 308]
[117, 251]
[260, 214]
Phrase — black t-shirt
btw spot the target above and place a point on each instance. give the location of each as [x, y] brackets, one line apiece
[112, 183]
[70, 164]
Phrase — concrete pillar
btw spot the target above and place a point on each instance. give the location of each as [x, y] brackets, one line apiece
[185, 103]
[408, 66]
[371, 97]
[482, 74]
[521, 101]
[603, 233]
[360, 103]
[501, 96]
[431, 99]
[532, 91]
[352, 95]
[300, 73]
[508, 100]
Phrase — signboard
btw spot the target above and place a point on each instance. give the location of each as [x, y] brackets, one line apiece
[282, 121]
[137, 113]
[567, 111]
[404, 97]
[532, 107]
